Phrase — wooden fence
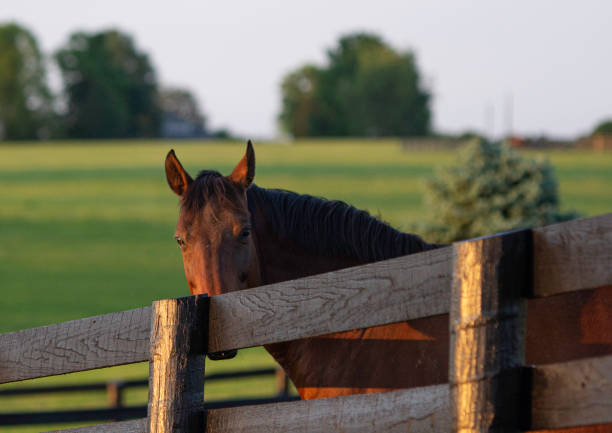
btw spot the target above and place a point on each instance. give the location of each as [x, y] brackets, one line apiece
[488, 288]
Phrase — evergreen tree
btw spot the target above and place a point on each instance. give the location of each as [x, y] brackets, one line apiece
[491, 189]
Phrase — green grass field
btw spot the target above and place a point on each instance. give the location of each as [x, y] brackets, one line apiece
[87, 229]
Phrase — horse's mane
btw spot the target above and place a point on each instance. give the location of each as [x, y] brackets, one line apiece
[332, 227]
[326, 227]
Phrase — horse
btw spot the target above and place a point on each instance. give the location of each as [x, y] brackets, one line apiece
[235, 235]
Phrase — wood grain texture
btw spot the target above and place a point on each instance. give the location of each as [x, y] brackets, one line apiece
[394, 290]
[415, 410]
[179, 331]
[569, 326]
[132, 426]
[573, 255]
[564, 395]
[572, 394]
[406, 411]
[594, 428]
[94, 342]
[487, 329]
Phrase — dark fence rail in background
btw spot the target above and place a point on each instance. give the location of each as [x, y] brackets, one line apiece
[117, 411]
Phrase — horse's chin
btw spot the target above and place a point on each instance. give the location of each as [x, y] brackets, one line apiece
[218, 356]
[196, 291]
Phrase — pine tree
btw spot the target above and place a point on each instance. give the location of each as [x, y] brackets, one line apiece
[491, 189]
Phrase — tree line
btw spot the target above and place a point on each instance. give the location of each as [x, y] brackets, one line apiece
[110, 90]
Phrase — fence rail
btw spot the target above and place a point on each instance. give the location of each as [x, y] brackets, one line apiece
[561, 398]
[502, 271]
[118, 411]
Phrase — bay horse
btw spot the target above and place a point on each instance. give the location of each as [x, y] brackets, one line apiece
[235, 235]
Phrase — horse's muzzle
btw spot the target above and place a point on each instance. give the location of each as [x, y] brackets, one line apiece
[218, 356]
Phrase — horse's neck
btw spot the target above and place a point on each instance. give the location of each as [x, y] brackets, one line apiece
[360, 239]
[284, 260]
[316, 365]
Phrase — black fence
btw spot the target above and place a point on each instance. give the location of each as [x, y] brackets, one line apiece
[118, 412]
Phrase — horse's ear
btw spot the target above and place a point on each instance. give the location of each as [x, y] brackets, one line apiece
[244, 172]
[177, 177]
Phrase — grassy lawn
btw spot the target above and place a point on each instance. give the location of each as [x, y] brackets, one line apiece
[87, 228]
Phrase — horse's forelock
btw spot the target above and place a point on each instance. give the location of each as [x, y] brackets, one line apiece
[209, 187]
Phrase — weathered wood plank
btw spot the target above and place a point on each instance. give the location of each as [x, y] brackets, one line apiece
[390, 291]
[487, 329]
[572, 394]
[573, 255]
[414, 410]
[569, 326]
[179, 331]
[563, 395]
[84, 344]
[133, 426]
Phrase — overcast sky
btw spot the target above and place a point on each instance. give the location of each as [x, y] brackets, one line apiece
[533, 66]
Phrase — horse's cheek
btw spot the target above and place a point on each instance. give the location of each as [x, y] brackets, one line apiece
[254, 278]
[188, 266]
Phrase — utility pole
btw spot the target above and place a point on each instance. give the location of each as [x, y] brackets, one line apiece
[509, 114]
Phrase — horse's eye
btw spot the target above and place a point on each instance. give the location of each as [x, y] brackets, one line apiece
[245, 233]
[180, 241]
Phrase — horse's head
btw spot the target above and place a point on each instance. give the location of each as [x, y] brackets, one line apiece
[214, 226]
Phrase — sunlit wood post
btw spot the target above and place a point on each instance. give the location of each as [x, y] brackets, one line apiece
[491, 277]
[179, 341]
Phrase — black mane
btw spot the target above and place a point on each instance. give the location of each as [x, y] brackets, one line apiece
[329, 227]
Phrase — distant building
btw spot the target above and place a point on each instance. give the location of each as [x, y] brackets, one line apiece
[602, 142]
[540, 143]
[174, 126]
[599, 142]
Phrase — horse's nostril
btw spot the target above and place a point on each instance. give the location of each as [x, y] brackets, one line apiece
[243, 277]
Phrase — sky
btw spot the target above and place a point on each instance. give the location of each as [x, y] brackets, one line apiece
[526, 67]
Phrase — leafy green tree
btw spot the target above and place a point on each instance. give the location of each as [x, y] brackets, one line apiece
[299, 106]
[604, 127]
[386, 99]
[110, 87]
[367, 89]
[25, 100]
[491, 188]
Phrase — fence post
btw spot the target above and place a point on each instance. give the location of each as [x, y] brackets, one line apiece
[282, 383]
[179, 341]
[114, 391]
[491, 277]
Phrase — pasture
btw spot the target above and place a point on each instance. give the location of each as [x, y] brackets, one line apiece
[87, 229]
